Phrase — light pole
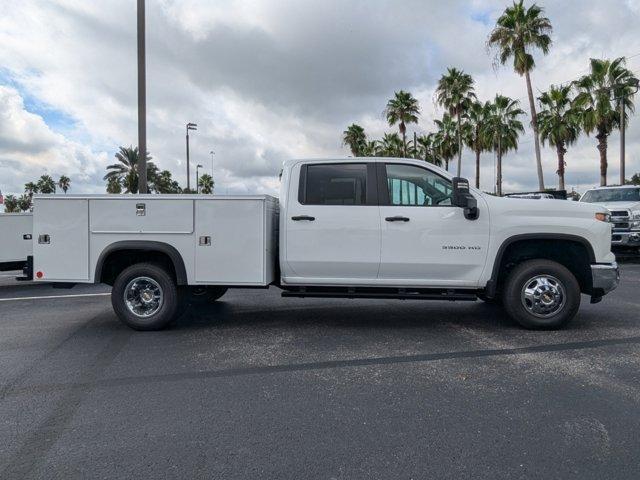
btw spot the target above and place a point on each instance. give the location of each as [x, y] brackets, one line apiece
[190, 126]
[142, 102]
[212, 153]
[198, 178]
[635, 86]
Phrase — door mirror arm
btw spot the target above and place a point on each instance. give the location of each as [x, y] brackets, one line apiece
[462, 198]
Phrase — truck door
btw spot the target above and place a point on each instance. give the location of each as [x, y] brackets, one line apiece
[425, 240]
[332, 224]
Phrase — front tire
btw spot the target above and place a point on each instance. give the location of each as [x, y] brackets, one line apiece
[541, 294]
[145, 297]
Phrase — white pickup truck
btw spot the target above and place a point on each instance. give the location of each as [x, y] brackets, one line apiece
[623, 203]
[355, 228]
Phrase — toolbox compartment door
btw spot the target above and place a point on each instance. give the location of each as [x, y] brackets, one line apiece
[141, 215]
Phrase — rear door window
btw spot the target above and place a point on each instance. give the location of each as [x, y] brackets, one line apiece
[334, 184]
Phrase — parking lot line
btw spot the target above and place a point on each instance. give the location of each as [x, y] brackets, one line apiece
[15, 299]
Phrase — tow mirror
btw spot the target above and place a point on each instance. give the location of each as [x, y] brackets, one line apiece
[462, 198]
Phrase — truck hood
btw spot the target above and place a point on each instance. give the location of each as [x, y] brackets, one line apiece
[618, 205]
[544, 207]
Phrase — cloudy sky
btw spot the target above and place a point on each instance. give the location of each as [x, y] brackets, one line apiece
[270, 80]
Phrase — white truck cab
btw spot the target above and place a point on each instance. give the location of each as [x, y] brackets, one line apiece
[623, 203]
[356, 228]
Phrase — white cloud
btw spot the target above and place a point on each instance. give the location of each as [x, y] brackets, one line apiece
[267, 80]
[29, 148]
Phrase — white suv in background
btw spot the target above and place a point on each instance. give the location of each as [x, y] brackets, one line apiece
[624, 204]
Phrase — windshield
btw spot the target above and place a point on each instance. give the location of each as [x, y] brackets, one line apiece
[612, 195]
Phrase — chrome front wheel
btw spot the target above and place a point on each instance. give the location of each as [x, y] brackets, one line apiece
[543, 296]
[143, 296]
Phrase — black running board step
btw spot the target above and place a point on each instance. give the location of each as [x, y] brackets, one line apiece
[469, 297]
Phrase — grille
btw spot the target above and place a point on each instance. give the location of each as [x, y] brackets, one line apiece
[619, 213]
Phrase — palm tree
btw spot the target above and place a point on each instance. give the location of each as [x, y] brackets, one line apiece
[206, 184]
[503, 130]
[475, 137]
[11, 204]
[391, 146]
[427, 149]
[30, 188]
[558, 123]
[64, 183]
[518, 31]
[445, 143]
[24, 203]
[402, 109]
[113, 185]
[355, 138]
[370, 149]
[46, 184]
[126, 171]
[607, 84]
[163, 182]
[455, 93]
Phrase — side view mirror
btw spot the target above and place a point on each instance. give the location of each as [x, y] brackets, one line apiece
[462, 198]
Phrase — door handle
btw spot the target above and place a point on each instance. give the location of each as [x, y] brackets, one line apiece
[303, 217]
[397, 218]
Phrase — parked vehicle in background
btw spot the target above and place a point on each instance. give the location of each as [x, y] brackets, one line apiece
[532, 196]
[550, 194]
[351, 228]
[623, 203]
[15, 240]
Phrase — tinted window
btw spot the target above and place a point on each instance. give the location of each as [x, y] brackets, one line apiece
[336, 184]
[411, 185]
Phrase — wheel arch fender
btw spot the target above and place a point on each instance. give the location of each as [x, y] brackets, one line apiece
[148, 246]
[492, 284]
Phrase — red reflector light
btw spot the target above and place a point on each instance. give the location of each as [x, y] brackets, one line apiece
[39, 274]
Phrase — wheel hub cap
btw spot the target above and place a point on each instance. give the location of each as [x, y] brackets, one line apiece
[543, 296]
[143, 296]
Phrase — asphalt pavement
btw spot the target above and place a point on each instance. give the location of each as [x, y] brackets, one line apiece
[258, 386]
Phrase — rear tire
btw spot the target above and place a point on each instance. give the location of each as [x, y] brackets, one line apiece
[145, 297]
[541, 294]
[205, 294]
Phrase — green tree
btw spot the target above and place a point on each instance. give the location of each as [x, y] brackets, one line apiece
[355, 138]
[30, 188]
[558, 123]
[455, 93]
[503, 130]
[206, 184]
[126, 170]
[599, 93]
[402, 109]
[390, 146]
[370, 149]
[163, 182]
[11, 204]
[113, 185]
[24, 202]
[46, 184]
[445, 140]
[427, 149]
[519, 31]
[475, 133]
[635, 180]
[64, 183]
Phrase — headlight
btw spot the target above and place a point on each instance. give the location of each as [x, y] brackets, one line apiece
[603, 217]
[636, 215]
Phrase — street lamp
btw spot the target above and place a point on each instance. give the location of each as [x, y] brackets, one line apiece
[197, 178]
[212, 153]
[190, 126]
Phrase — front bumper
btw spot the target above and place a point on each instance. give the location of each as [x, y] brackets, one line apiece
[605, 278]
[625, 239]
